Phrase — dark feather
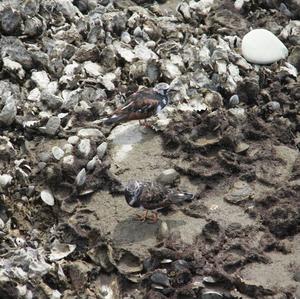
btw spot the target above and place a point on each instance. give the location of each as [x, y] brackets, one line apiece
[140, 105]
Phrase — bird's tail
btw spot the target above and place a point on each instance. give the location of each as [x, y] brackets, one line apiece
[114, 119]
[182, 196]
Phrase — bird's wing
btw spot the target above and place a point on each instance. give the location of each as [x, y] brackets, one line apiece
[153, 196]
[144, 102]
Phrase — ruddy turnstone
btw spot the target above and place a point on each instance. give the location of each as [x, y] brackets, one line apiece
[153, 196]
[141, 105]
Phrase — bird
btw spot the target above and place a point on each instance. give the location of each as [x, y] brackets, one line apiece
[141, 105]
[153, 196]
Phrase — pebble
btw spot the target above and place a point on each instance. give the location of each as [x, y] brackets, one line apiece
[52, 125]
[57, 152]
[2, 224]
[234, 100]
[255, 43]
[101, 149]
[50, 100]
[92, 164]
[68, 148]
[41, 79]
[294, 57]
[84, 147]
[47, 197]
[56, 295]
[163, 231]
[42, 165]
[73, 140]
[273, 105]
[168, 177]
[44, 156]
[160, 279]
[84, 133]
[81, 177]
[9, 110]
[5, 180]
[34, 95]
[125, 37]
[238, 113]
[68, 160]
[10, 21]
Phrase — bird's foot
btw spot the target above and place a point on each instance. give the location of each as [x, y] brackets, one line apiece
[145, 124]
[142, 217]
[154, 219]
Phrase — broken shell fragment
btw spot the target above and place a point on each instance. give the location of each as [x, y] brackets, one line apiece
[60, 251]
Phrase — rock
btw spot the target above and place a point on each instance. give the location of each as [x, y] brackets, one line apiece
[255, 43]
[73, 140]
[41, 79]
[14, 67]
[92, 163]
[294, 57]
[101, 150]
[5, 180]
[68, 160]
[52, 125]
[11, 21]
[56, 295]
[34, 95]
[93, 69]
[86, 52]
[160, 279]
[44, 156]
[90, 133]
[34, 27]
[50, 100]
[57, 152]
[7, 150]
[163, 231]
[9, 110]
[125, 37]
[273, 105]
[297, 276]
[168, 177]
[238, 113]
[47, 197]
[84, 147]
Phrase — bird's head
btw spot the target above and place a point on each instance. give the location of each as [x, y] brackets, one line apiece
[132, 193]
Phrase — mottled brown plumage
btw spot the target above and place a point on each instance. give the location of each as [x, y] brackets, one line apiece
[141, 105]
[153, 196]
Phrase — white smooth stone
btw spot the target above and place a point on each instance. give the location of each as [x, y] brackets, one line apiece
[47, 197]
[263, 47]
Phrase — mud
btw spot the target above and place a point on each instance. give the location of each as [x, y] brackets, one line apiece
[237, 238]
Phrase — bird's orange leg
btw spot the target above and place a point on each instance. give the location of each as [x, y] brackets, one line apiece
[145, 124]
[155, 217]
[142, 217]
